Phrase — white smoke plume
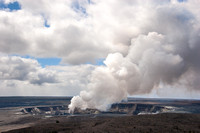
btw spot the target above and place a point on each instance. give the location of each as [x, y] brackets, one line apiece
[163, 49]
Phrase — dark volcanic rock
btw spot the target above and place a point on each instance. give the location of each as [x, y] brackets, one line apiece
[165, 123]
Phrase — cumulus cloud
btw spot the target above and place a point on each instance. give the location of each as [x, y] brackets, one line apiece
[17, 68]
[24, 76]
[68, 36]
[82, 31]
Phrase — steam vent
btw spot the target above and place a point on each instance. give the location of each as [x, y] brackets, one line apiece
[131, 107]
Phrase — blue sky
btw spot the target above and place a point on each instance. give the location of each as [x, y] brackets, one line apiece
[56, 61]
[182, 0]
[46, 23]
[12, 6]
[48, 61]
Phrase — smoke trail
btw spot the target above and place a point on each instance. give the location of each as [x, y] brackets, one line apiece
[165, 51]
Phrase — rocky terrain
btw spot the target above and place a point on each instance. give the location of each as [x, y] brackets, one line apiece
[134, 115]
[165, 123]
[126, 108]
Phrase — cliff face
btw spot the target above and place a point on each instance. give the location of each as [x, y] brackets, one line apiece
[120, 108]
[136, 109]
[47, 110]
[124, 108]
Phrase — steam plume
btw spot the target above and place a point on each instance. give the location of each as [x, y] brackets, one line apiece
[164, 50]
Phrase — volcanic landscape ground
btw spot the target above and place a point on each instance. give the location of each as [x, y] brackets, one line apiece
[50, 114]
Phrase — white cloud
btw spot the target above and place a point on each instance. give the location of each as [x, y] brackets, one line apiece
[154, 41]
[21, 76]
[104, 27]
[68, 37]
[17, 68]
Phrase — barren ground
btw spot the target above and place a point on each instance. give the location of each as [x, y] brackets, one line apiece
[142, 123]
